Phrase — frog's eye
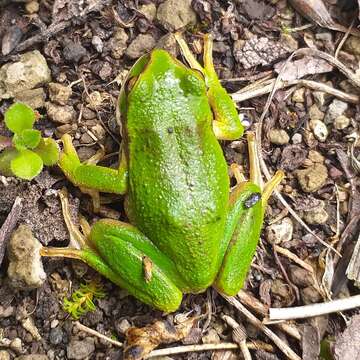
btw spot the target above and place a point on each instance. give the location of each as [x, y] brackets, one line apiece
[252, 200]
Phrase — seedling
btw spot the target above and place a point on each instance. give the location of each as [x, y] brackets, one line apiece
[27, 152]
[81, 300]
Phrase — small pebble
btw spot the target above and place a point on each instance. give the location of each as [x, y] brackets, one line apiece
[118, 43]
[25, 269]
[56, 336]
[319, 98]
[279, 232]
[142, 44]
[54, 323]
[74, 52]
[312, 178]
[16, 345]
[335, 109]
[319, 129]
[315, 113]
[148, 10]
[317, 215]
[59, 93]
[94, 99]
[62, 114]
[341, 122]
[175, 14]
[296, 139]
[315, 157]
[122, 326]
[80, 349]
[32, 7]
[278, 137]
[299, 95]
[97, 43]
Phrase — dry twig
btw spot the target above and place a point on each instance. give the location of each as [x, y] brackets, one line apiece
[302, 312]
[253, 303]
[257, 323]
[247, 93]
[239, 336]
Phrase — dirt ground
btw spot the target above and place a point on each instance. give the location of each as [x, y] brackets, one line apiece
[309, 129]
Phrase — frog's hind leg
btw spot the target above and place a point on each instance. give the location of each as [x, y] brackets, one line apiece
[247, 207]
[90, 177]
[126, 257]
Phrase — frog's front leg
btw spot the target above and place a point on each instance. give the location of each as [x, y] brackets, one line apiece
[89, 177]
[227, 122]
[243, 227]
[126, 257]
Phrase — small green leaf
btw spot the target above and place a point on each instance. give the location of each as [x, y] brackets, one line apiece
[18, 142]
[19, 117]
[26, 165]
[5, 160]
[31, 138]
[48, 150]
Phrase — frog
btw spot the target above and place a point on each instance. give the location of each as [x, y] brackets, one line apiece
[187, 228]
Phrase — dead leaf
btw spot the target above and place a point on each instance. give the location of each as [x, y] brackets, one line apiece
[261, 51]
[297, 69]
[141, 341]
[9, 225]
[347, 345]
[316, 11]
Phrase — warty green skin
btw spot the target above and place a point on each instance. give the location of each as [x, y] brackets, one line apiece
[178, 189]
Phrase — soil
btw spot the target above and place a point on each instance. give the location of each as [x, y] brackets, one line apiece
[89, 46]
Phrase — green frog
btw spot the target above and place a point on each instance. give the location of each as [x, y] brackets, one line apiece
[187, 229]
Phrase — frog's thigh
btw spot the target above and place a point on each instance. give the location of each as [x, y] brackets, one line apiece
[90, 176]
[242, 234]
[142, 269]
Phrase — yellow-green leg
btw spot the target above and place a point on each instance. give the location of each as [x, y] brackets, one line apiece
[247, 207]
[227, 123]
[91, 178]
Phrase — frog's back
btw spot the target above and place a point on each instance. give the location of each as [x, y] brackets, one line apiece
[178, 181]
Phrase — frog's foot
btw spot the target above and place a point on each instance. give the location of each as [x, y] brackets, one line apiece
[255, 172]
[88, 176]
[78, 240]
[227, 123]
